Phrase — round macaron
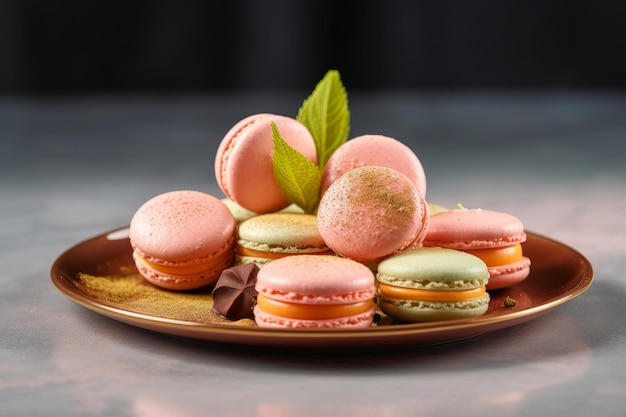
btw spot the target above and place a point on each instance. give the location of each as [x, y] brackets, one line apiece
[314, 291]
[243, 162]
[182, 239]
[429, 284]
[372, 212]
[493, 236]
[270, 236]
[376, 150]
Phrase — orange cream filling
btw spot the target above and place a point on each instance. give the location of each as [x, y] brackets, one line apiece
[430, 295]
[192, 269]
[276, 255]
[498, 256]
[312, 311]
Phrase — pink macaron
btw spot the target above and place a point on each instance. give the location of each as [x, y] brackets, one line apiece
[493, 236]
[314, 291]
[182, 240]
[372, 212]
[243, 162]
[374, 150]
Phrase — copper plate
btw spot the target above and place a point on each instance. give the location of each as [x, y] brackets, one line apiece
[558, 275]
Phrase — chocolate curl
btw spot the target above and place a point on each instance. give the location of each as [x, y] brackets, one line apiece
[234, 295]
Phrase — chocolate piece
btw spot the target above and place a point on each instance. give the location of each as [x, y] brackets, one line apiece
[234, 295]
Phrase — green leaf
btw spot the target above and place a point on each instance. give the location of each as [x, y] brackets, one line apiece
[325, 113]
[297, 176]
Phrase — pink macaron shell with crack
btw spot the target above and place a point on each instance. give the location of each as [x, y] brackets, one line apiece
[474, 229]
[243, 161]
[315, 280]
[182, 230]
[374, 150]
[371, 212]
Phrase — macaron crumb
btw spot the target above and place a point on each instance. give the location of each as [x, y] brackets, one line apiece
[509, 302]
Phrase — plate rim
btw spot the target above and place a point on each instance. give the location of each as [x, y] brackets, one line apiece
[251, 335]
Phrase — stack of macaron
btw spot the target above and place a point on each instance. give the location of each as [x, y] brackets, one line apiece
[372, 195]
[372, 232]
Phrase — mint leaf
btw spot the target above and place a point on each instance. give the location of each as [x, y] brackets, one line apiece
[325, 113]
[297, 176]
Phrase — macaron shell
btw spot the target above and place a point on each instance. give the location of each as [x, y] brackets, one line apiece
[433, 269]
[182, 226]
[243, 162]
[474, 229]
[426, 311]
[316, 279]
[370, 213]
[266, 320]
[508, 275]
[281, 232]
[377, 150]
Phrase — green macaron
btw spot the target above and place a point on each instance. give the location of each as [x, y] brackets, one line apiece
[430, 284]
[266, 237]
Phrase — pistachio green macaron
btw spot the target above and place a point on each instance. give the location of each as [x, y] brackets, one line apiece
[430, 284]
[266, 237]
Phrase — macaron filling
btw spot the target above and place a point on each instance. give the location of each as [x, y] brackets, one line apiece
[243, 251]
[498, 256]
[294, 297]
[312, 311]
[183, 269]
[393, 291]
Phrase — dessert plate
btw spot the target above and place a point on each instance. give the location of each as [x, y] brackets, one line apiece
[100, 275]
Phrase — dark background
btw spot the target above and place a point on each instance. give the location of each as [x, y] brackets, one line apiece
[171, 47]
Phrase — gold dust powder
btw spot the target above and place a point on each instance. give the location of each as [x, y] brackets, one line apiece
[133, 293]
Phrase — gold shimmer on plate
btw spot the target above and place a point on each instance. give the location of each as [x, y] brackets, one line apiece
[133, 293]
